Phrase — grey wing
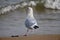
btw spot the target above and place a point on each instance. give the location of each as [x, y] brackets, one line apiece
[30, 22]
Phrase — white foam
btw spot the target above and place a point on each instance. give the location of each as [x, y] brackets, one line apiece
[9, 8]
[15, 7]
[32, 3]
[23, 4]
[52, 4]
[6, 9]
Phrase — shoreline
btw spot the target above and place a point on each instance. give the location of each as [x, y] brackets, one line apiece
[34, 37]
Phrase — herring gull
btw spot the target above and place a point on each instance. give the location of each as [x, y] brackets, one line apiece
[30, 21]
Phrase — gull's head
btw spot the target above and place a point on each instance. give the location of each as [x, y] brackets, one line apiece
[29, 10]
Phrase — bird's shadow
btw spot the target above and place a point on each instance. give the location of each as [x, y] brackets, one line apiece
[15, 36]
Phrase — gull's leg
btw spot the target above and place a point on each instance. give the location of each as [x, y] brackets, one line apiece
[27, 32]
[32, 30]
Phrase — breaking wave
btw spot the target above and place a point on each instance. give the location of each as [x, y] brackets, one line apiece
[12, 7]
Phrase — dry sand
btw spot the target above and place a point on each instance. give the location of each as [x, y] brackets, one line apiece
[33, 37]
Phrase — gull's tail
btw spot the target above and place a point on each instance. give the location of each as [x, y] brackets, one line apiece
[35, 27]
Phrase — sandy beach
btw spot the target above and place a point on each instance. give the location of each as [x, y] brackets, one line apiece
[33, 37]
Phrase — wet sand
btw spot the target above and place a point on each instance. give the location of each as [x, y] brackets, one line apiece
[33, 37]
